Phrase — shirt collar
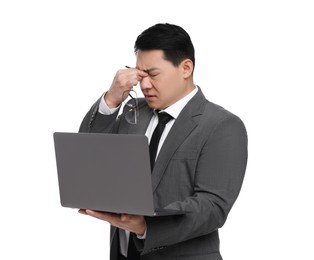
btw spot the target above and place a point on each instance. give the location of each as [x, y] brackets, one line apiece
[175, 109]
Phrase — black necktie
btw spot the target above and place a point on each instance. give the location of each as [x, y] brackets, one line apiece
[164, 118]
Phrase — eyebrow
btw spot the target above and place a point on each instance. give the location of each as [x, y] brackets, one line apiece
[149, 70]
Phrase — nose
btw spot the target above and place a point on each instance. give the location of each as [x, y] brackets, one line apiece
[145, 83]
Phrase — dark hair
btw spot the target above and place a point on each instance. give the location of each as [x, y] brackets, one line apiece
[172, 39]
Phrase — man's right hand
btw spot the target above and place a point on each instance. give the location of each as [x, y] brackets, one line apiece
[123, 82]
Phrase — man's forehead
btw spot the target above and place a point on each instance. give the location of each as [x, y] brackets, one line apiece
[150, 60]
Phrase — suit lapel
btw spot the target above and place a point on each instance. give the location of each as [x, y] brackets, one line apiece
[182, 128]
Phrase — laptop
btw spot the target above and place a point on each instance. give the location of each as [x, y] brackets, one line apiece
[106, 172]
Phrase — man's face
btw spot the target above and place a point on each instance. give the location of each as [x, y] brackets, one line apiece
[165, 83]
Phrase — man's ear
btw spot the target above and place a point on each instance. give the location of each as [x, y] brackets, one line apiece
[187, 68]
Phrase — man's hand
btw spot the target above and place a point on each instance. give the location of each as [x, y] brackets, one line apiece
[123, 82]
[132, 223]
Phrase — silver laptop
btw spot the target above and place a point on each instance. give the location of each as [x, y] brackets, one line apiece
[106, 172]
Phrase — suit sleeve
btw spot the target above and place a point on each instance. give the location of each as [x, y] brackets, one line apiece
[99, 123]
[218, 179]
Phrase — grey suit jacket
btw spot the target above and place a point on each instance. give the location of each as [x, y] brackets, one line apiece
[200, 168]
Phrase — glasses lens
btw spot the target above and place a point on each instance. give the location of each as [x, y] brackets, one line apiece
[132, 103]
[131, 116]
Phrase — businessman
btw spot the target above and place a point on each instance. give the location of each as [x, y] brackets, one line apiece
[198, 150]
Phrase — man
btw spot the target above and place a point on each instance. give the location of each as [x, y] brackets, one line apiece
[201, 157]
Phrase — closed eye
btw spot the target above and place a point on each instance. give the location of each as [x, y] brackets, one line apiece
[152, 75]
[152, 72]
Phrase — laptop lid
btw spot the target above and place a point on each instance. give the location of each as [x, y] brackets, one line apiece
[105, 172]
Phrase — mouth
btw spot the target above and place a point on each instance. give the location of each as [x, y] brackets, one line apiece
[150, 97]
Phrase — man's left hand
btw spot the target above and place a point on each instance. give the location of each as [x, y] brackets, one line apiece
[132, 223]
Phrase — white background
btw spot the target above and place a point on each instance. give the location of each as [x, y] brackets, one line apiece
[255, 58]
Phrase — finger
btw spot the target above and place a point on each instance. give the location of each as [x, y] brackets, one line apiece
[82, 211]
[96, 214]
[109, 217]
[142, 73]
[125, 217]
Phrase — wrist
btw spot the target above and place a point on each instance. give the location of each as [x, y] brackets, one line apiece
[109, 102]
[141, 236]
[142, 231]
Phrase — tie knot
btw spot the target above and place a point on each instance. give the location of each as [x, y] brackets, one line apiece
[164, 118]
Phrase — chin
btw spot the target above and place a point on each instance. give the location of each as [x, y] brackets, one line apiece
[152, 105]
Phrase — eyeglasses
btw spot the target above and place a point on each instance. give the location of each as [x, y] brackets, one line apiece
[132, 113]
